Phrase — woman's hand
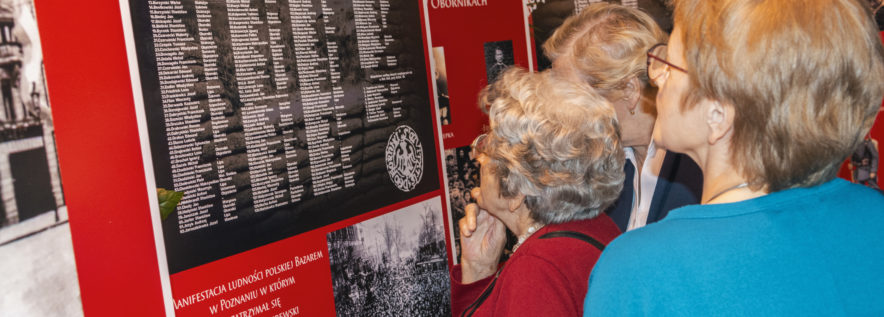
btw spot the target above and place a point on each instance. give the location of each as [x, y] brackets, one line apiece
[482, 238]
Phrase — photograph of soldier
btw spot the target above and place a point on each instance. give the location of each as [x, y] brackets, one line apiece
[392, 265]
[498, 56]
[441, 79]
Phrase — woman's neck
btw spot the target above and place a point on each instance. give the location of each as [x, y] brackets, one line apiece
[722, 183]
[522, 222]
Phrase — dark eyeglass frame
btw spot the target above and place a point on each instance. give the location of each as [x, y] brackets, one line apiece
[652, 56]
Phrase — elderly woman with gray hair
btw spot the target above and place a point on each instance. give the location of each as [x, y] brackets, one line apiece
[550, 165]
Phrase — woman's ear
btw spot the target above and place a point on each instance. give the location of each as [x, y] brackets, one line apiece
[632, 94]
[516, 202]
[719, 118]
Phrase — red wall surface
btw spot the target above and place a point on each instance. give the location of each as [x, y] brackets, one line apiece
[99, 156]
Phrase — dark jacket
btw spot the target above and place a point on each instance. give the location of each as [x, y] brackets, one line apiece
[680, 183]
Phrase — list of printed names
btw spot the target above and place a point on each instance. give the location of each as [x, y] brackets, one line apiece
[178, 88]
[276, 92]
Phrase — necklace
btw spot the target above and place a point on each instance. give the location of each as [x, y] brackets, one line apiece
[531, 230]
[738, 186]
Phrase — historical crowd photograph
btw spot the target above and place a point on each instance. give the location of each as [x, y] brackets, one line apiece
[392, 265]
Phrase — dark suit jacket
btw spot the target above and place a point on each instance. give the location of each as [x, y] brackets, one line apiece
[680, 183]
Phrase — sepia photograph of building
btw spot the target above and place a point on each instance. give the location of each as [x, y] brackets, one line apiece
[35, 238]
[30, 185]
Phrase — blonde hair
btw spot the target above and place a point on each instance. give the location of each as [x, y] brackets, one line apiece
[555, 141]
[804, 77]
[605, 45]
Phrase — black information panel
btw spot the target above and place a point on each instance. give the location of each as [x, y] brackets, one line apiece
[278, 117]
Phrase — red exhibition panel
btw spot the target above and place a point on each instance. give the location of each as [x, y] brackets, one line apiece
[465, 33]
[122, 262]
[100, 157]
[288, 276]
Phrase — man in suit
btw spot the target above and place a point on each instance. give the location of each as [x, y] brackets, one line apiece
[498, 67]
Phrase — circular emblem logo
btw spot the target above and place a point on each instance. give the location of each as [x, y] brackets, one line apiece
[405, 158]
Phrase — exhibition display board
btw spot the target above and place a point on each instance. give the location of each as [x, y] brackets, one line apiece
[278, 119]
[301, 134]
[283, 124]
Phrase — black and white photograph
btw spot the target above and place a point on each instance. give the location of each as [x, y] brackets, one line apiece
[35, 236]
[440, 73]
[498, 56]
[272, 118]
[392, 265]
[463, 176]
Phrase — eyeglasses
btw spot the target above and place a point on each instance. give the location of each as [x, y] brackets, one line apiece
[479, 143]
[658, 67]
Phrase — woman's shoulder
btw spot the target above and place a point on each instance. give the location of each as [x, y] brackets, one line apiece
[566, 243]
[656, 244]
[826, 207]
[601, 228]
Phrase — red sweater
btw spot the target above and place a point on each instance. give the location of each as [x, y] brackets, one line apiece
[544, 277]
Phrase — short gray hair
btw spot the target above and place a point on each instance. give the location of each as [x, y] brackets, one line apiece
[605, 45]
[555, 141]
